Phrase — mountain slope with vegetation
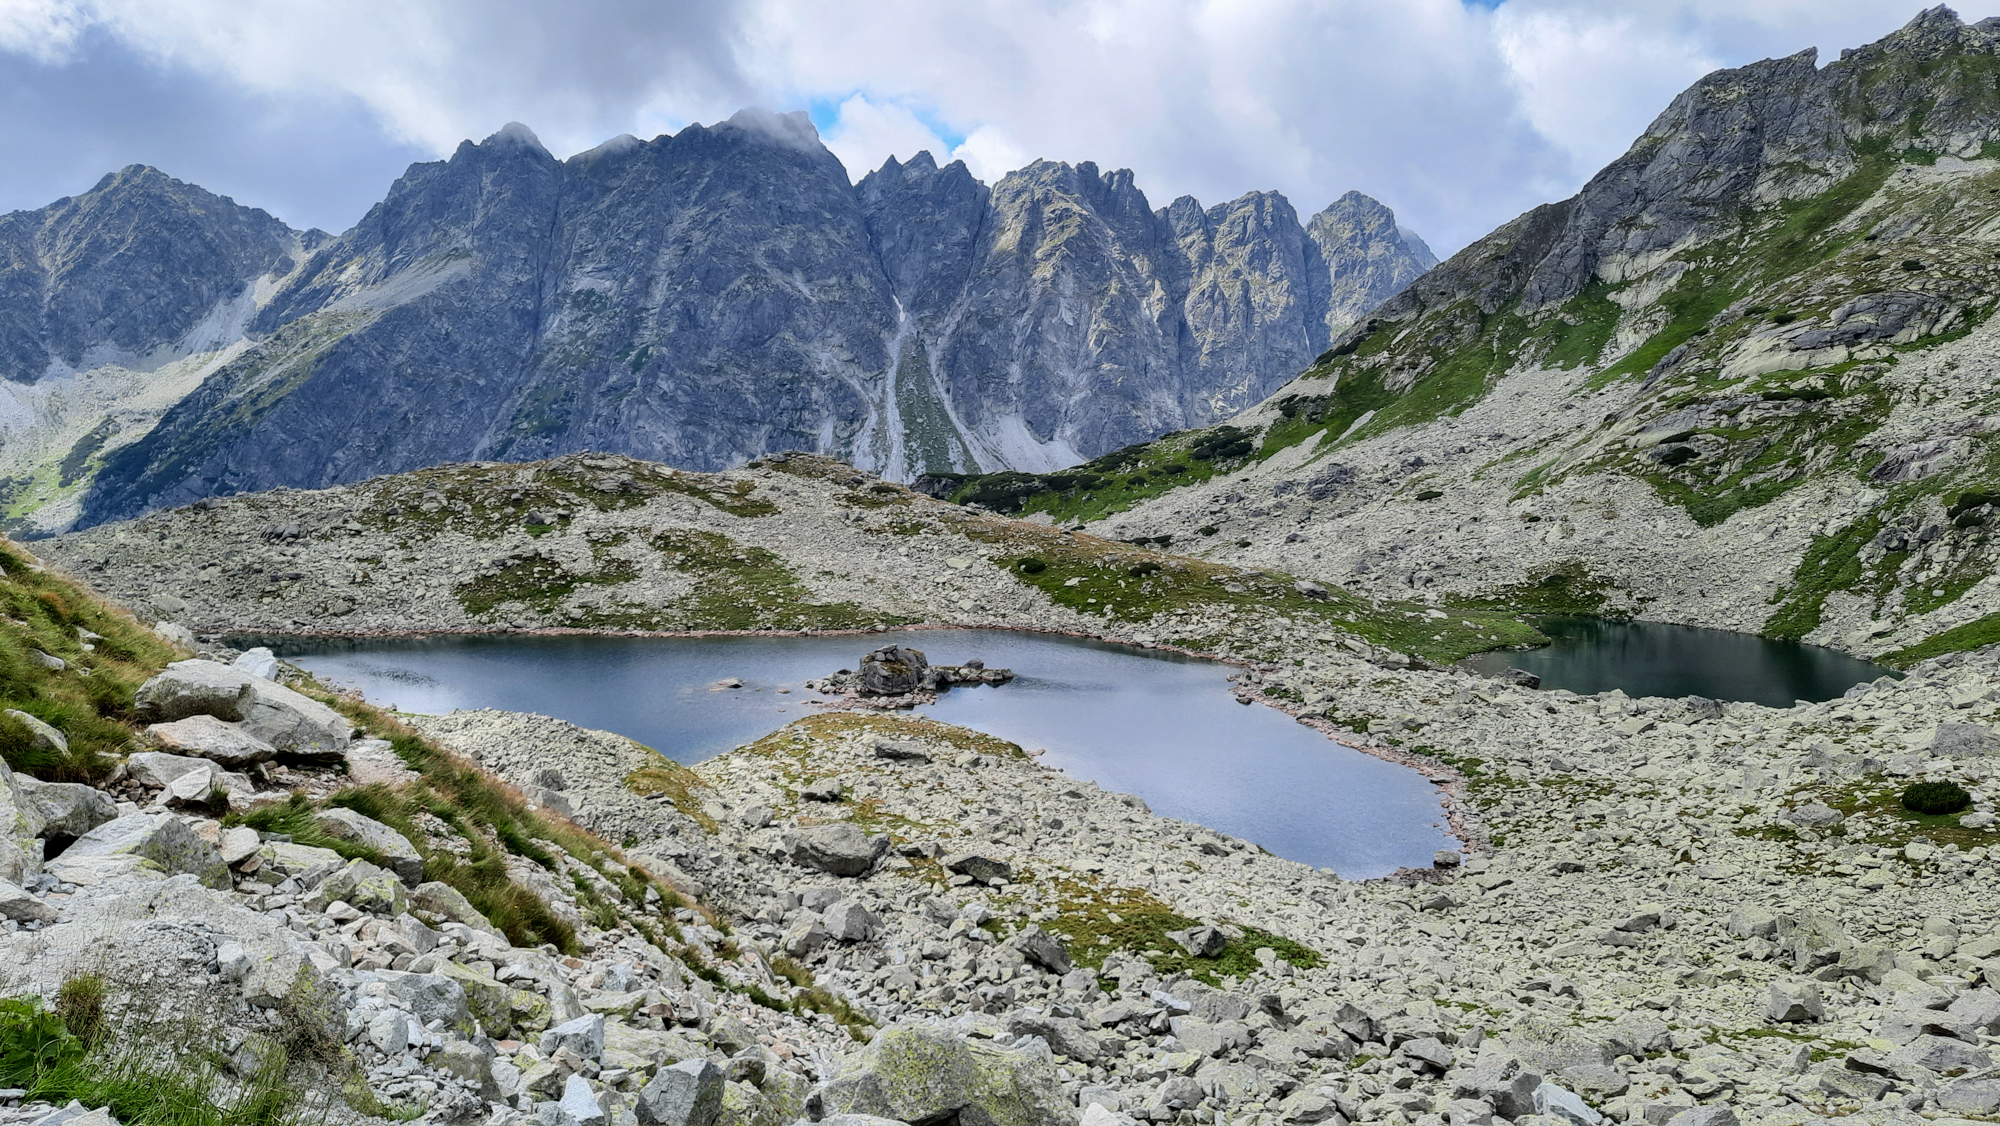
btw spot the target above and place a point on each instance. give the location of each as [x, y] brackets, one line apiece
[1745, 378]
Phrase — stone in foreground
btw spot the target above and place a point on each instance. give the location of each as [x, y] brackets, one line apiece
[292, 723]
[916, 1072]
[687, 1094]
[148, 842]
[211, 738]
[398, 854]
[1795, 1002]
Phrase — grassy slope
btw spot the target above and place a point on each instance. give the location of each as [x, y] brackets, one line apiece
[1763, 436]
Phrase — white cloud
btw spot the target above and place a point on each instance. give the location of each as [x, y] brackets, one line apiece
[990, 154]
[866, 133]
[1456, 116]
[45, 30]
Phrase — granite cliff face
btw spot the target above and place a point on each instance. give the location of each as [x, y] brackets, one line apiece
[698, 299]
[114, 304]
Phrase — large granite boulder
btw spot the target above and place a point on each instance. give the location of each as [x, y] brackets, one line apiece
[67, 810]
[839, 849]
[292, 723]
[917, 1072]
[142, 842]
[216, 740]
[894, 670]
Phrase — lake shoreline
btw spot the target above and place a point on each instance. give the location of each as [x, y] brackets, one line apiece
[1445, 783]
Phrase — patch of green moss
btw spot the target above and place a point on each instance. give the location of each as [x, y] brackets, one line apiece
[1128, 583]
[1972, 635]
[736, 587]
[678, 783]
[1097, 922]
[1567, 588]
[1111, 483]
[1888, 824]
[1831, 563]
[535, 581]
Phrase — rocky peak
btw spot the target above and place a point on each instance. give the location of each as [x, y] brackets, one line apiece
[1928, 86]
[129, 266]
[1367, 258]
[925, 222]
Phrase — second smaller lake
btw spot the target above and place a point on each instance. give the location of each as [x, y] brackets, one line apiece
[1656, 659]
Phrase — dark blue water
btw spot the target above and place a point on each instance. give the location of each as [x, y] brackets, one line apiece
[1138, 721]
[1656, 659]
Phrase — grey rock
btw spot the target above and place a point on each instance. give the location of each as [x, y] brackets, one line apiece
[893, 670]
[466, 1061]
[839, 849]
[1428, 1051]
[1794, 1002]
[1977, 1009]
[205, 736]
[1556, 1102]
[1751, 921]
[1066, 1037]
[364, 886]
[1970, 1096]
[1202, 941]
[1502, 1083]
[985, 869]
[687, 1094]
[583, 1036]
[18, 905]
[159, 769]
[1944, 1055]
[579, 1105]
[917, 1072]
[1815, 815]
[1964, 740]
[288, 721]
[849, 921]
[398, 854]
[1043, 949]
[900, 750]
[149, 842]
[258, 661]
[1714, 1114]
[428, 997]
[45, 737]
[194, 790]
[825, 789]
[66, 809]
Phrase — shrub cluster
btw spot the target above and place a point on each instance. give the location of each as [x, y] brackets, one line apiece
[1936, 798]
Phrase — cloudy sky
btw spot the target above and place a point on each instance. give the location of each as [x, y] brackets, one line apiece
[1457, 113]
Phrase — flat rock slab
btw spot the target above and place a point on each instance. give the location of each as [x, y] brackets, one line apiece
[205, 736]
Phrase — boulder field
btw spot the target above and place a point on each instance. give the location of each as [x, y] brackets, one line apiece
[1665, 911]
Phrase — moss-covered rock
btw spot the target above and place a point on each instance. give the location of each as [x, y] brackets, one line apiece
[917, 1072]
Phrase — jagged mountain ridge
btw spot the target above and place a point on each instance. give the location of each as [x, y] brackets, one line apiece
[113, 305]
[1743, 379]
[725, 291]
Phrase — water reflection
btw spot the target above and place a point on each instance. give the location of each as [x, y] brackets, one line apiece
[1158, 725]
